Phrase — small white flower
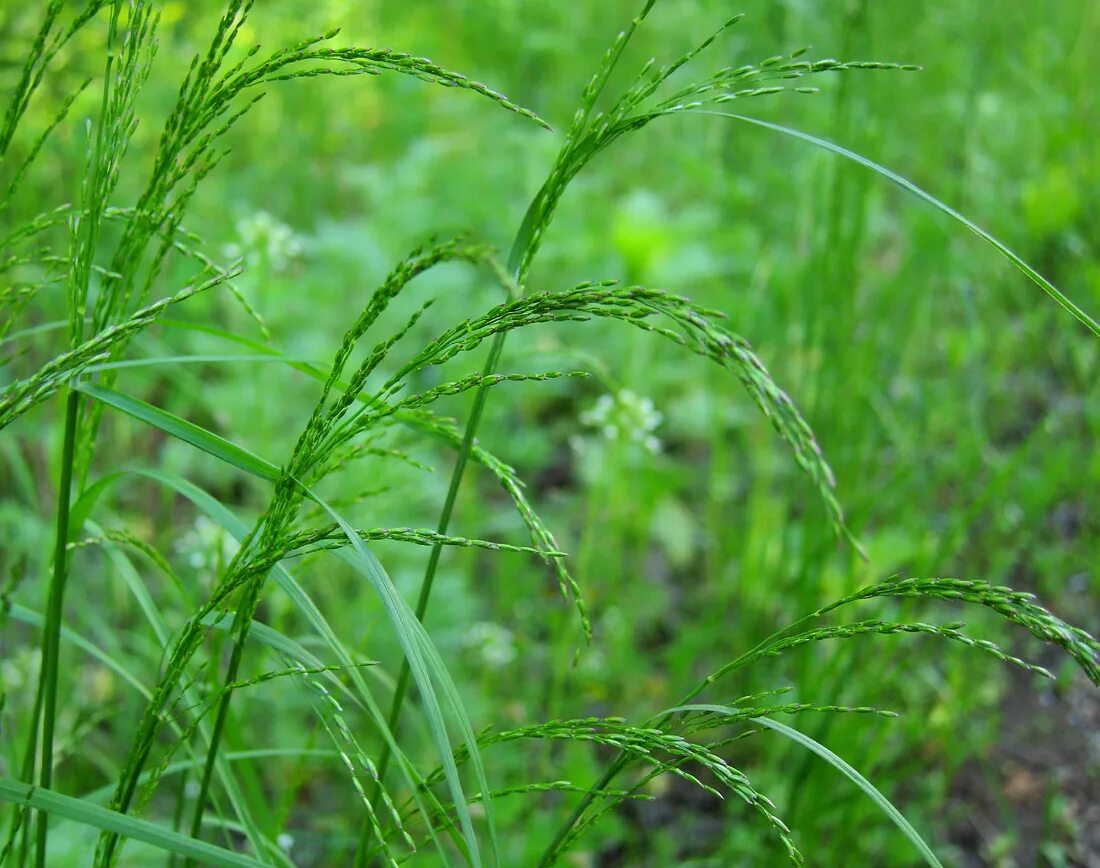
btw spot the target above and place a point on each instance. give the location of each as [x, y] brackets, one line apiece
[285, 842]
[264, 240]
[207, 545]
[626, 416]
[492, 642]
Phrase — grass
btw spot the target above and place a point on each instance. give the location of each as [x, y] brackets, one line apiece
[242, 625]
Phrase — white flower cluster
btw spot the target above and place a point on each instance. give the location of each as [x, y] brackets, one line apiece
[627, 417]
[264, 240]
[493, 643]
[206, 546]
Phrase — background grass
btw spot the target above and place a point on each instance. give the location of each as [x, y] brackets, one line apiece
[958, 408]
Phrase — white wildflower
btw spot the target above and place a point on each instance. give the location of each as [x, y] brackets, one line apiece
[206, 547]
[264, 240]
[626, 416]
[492, 642]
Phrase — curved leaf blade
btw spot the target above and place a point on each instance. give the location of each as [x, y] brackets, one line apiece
[869, 789]
[1033, 275]
[188, 432]
[121, 824]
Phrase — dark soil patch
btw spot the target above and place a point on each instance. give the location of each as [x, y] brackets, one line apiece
[1034, 797]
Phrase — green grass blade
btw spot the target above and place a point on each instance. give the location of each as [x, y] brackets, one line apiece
[426, 670]
[1033, 275]
[121, 824]
[856, 778]
[188, 432]
[209, 359]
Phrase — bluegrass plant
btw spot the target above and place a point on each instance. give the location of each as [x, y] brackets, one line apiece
[375, 396]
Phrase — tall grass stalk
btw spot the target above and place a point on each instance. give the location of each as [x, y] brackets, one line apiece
[51, 637]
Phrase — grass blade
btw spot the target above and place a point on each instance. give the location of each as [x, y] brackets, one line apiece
[871, 791]
[1033, 275]
[188, 432]
[99, 817]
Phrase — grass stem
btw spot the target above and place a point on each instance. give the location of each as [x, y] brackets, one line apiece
[51, 636]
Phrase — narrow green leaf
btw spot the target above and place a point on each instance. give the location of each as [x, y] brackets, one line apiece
[209, 359]
[188, 432]
[120, 824]
[1033, 275]
[856, 778]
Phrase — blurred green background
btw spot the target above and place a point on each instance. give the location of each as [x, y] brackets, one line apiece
[958, 406]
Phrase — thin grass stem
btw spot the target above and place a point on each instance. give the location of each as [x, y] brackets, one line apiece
[51, 636]
[231, 675]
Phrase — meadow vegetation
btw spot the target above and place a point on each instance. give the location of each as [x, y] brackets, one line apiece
[686, 458]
